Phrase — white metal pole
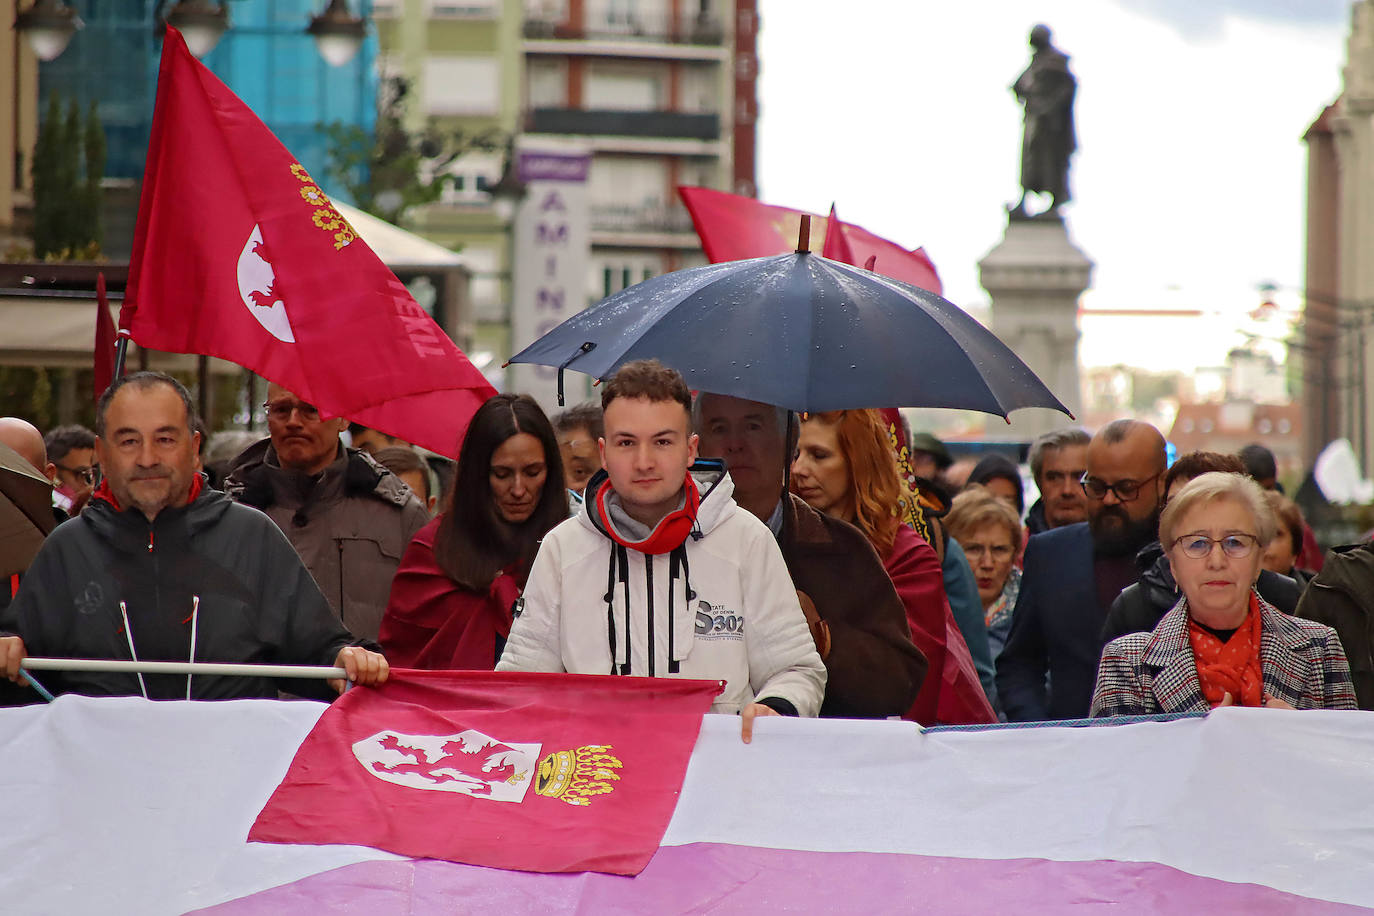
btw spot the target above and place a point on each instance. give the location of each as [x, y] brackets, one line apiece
[197, 668]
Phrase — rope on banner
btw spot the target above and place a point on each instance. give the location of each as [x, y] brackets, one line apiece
[1068, 723]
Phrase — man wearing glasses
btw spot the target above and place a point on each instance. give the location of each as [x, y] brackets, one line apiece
[349, 518]
[71, 449]
[1073, 573]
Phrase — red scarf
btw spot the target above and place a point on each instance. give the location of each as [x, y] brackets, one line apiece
[104, 492]
[668, 534]
[1232, 667]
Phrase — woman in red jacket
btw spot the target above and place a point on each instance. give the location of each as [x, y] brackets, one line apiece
[451, 600]
[846, 468]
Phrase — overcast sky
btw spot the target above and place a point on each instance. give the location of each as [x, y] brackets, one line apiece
[1190, 175]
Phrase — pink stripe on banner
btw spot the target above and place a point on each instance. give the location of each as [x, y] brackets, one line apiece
[718, 878]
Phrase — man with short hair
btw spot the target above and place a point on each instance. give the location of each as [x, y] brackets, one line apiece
[874, 670]
[160, 567]
[71, 449]
[579, 429]
[1074, 572]
[1058, 461]
[406, 463]
[372, 441]
[662, 574]
[348, 517]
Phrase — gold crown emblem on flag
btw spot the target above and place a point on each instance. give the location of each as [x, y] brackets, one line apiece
[575, 776]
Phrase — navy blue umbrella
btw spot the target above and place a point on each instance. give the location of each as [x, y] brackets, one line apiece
[799, 331]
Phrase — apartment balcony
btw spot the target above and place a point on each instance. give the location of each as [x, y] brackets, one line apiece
[656, 124]
[629, 26]
[621, 218]
[655, 228]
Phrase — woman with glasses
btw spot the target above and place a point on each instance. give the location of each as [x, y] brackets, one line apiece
[990, 532]
[452, 598]
[1221, 644]
[845, 468]
[1140, 605]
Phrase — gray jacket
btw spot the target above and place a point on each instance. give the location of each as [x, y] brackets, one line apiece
[350, 524]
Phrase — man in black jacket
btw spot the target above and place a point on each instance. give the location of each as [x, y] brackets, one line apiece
[161, 568]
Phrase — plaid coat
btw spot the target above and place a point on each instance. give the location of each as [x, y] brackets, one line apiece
[1145, 673]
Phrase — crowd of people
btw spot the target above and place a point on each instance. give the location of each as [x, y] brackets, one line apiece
[825, 564]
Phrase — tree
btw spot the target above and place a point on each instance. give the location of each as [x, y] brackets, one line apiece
[391, 169]
[94, 149]
[68, 164]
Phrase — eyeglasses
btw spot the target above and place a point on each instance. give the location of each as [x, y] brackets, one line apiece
[1235, 546]
[1000, 552]
[1125, 490]
[281, 410]
[86, 473]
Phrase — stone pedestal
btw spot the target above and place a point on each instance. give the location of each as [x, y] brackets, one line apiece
[1035, 276]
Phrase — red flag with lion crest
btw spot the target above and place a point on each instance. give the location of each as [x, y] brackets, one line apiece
[530, 771]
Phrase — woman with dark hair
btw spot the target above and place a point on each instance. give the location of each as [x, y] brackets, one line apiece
[1000, 476]
[845, 467]
[1281, 556]
[451, 600]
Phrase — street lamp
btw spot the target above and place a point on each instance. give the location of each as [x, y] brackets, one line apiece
[509, 190]
[200, 22]
[337, 32]
[48, 25]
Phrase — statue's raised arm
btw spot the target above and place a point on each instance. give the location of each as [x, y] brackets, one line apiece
[1046, 89]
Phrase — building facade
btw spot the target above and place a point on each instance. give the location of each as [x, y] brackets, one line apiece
[661, 92]
[1337, 331]
[265, 57]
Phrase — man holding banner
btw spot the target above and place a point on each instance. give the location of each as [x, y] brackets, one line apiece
[662, 574]
[161, 568]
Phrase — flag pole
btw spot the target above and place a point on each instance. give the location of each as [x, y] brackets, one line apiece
[118, 666]
[121, 350]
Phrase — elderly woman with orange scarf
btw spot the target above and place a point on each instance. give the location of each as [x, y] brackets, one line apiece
[1222, 644]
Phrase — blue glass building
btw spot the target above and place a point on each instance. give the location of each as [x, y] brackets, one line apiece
[266, 58]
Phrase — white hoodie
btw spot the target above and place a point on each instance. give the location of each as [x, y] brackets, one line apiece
[734, 611]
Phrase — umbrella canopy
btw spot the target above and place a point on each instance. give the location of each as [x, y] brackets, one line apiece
[26, 514]
[799, 331]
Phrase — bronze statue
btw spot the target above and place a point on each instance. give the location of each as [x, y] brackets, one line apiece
[1048, 139]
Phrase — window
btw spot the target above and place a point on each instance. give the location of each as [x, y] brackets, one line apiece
[547, 80]
[613, 86]
[468, 85]
[463, 9]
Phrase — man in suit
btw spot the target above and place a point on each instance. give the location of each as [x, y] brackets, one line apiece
[1073, 573]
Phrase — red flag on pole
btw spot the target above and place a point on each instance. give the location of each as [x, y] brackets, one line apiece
[535, 772]
[239, 254]
[732, 228]
[104, 339]
[836, 245]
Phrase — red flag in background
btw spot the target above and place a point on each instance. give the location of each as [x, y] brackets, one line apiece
[836, 245]
[535, 772]
[732, 228]
[104, 339]
[239, 254]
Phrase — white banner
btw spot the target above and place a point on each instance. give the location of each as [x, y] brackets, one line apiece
[552, 249]
[127, 806]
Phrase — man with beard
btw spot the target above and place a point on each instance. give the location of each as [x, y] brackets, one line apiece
[1073, 573]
